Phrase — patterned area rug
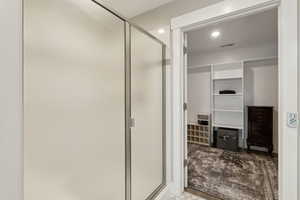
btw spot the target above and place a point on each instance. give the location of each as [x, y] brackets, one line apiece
[232, 175]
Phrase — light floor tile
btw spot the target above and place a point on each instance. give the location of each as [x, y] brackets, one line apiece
[186, 196]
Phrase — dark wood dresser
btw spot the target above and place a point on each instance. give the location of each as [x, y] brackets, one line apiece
[260, 127]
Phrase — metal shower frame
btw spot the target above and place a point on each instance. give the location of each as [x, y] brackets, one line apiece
[128, 25]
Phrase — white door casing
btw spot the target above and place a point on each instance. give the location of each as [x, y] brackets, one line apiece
[186, 104]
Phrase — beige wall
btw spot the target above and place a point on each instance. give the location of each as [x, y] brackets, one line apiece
[74, 135]
[162, 15]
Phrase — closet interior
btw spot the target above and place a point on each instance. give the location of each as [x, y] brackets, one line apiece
[232, 106]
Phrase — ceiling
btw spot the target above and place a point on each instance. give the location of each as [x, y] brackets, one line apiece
[132, 8]
[247, 31]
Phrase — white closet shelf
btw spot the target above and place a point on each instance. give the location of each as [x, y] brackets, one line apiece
[237, 94]
[198, 66]
[227, 110]
[228, 126]
[227, 78]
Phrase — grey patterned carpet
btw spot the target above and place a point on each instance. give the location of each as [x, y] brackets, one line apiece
[232, 175]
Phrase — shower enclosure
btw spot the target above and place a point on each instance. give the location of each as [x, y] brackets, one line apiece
[94, 121]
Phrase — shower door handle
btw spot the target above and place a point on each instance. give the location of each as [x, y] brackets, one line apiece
[132, 122]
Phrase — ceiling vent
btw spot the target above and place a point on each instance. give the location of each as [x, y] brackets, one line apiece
[227, 45]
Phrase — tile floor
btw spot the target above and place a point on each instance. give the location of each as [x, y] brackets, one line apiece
[186, 196]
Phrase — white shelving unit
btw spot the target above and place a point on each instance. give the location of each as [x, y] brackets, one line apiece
[227, 126]
[239, 94]
[223, 110]
[228, 109]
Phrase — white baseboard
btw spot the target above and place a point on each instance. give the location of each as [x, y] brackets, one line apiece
[169, 192]
[164, 195]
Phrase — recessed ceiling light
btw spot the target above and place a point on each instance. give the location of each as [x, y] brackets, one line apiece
[161, 31]
[215, 34]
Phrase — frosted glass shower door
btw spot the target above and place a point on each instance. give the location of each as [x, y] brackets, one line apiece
[74, 108]
[147, 135]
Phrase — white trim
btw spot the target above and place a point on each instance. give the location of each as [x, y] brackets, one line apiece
[11, 103]
[260, 59]
[198, 66]
[165, 194]
[288, 137]
[237, 94]
[177, 114]
[229, 9]
[298, 100]
[225, 9]
[236, 61]
[185, 100]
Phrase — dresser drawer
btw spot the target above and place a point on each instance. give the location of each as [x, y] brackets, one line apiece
[260, 114]
[260, 126]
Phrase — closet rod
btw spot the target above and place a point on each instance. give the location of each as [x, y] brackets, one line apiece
[233, 62]
[260, 59]
[198, 66]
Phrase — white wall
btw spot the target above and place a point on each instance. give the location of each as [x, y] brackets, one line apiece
[198, 92]
[11, 100]
[261, 82]
[161, 17]
[225, 55]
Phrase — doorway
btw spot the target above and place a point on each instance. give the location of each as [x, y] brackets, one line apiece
[232, 108]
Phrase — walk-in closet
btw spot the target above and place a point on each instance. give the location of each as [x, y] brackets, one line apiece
[232, 109]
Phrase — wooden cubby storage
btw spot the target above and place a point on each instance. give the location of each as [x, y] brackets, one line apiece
[200, 134]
